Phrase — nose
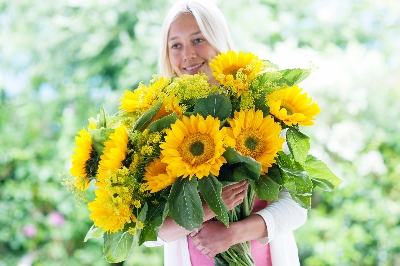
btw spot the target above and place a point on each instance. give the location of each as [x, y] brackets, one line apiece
[190, 53]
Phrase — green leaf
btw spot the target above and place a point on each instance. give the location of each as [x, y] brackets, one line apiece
[263, 81]
[94, 232]
[274, 80]
[242, 172]
[275, 174]
[233, 157]
[303, 201]
[260, 104]
[294, 76]
[295, 180]
[320, 174]
[298, 191]
[298, 182]
[188, 114]
[226, 176]
[163, 123]
[99, 137]
[266, 188]
[216, 105]
[117, 246]
[299, 144]
[210, 188]
[143, 121]
[185, 205]
[219, 261]
[141, 218]
[103, 117]
[154, 219]
[271, 66]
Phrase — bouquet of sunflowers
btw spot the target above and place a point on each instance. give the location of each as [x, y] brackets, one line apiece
[179, 139]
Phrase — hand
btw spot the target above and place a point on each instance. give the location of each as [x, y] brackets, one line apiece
[233, 195]
[213, 238]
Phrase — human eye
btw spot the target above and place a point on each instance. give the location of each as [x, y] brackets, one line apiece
[175, 46]
[198, 40]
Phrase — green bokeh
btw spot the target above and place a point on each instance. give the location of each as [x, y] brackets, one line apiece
[61, 60]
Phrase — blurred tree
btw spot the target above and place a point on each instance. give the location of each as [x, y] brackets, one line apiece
[359, 223]
[60, 62]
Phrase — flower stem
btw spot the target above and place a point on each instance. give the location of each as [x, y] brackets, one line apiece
[240, 254]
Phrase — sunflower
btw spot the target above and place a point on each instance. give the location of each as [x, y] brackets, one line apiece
[292, 107]
[143, 97]
[84, 161]
[236, 71]
[255, 136]
[194, 146]
[114, 152]
[110, 211]
[157, 177]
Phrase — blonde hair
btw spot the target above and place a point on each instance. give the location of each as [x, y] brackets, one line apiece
[211, 22]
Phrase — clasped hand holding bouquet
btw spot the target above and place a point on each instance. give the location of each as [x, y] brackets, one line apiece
[180, 140]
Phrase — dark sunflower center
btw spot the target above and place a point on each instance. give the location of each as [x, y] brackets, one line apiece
[92, 163]
[197, 148]
[231, 70]
[251, 143]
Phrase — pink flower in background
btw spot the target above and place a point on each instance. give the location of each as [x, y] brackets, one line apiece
[29, 230]
[56, 219]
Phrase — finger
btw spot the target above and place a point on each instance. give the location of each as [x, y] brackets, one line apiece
[206, 251]
[211, 255]
[242, 193]
[241, 188]
[239, 201]
[234, 192]
[236, 185]
[241, 184]
[239, 195]
[195, 242]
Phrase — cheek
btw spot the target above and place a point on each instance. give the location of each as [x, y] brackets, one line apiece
[174, 59]
[214, 54]
[210, 54]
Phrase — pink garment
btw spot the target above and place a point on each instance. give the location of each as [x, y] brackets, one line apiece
[260, 253]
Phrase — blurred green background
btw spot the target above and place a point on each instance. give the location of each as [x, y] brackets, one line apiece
[61, 60]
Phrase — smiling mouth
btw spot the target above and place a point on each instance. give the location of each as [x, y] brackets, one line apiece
[193, 67]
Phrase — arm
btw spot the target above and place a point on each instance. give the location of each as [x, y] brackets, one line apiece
[214, 237]
[282, 216]
[232, 196]
[278, 218]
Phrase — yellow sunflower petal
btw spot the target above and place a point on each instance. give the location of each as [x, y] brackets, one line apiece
[109, 212]
[236, 70]
[293, 107]
[157, 176]
[114, 153]
[80, 160]
[257, 139]
[199, 153]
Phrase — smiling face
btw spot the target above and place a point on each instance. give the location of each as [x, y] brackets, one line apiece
[189, 51]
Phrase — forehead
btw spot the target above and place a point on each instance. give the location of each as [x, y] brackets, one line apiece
[183, 26]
